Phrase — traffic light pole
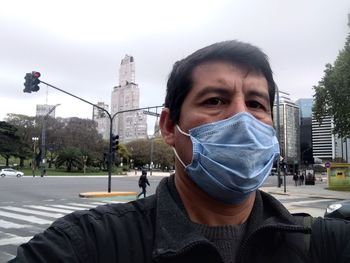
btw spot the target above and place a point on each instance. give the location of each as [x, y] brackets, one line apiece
[111, 118]
[111, 138]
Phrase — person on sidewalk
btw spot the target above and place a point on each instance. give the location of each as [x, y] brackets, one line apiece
[143, 182]
[302, 179]
[218, 120]
[296, 179]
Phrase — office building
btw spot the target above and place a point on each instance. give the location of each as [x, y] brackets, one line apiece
[43, 109]
[323, 140]
[305, 113]
[102, 120]
[289, 132]
[326, 145]
[126, 96]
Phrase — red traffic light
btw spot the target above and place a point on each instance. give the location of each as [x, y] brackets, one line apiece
[36, 74]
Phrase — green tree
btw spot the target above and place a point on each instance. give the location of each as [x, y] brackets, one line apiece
[26, 129]
[10, 142]
[332, 94]
[140, 152]
[71, 158]
[163, 154]
[123, 153]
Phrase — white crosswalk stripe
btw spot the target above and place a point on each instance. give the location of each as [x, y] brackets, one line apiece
[18, 224]
[16, 240]
[52, 209]
[72, 208]
[31, 219]
[10, 225]
[84, 205]
[30, 211]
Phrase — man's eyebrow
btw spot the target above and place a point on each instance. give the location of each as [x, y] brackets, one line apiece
[259, 94]
[218, 90]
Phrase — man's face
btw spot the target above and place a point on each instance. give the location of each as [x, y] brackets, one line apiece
[220, 90]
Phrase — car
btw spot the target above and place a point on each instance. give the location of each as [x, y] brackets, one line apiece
[339, 209]
[10, 172]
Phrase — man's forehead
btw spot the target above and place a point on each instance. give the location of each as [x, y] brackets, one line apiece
[246, 69]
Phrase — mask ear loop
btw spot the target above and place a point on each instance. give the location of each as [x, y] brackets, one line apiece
[181, 131]
[178, 157]
[175, 152]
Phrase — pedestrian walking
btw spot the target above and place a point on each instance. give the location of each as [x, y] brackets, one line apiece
[143, 182]
[302, 178]
[296, 179]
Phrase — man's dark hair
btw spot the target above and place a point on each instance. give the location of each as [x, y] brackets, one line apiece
[242, 54]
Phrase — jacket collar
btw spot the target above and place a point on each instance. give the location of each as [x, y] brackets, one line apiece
[175, 233]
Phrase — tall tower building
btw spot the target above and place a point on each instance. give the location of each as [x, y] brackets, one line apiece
[126, 96]
[326, 145]
[305, 106]
[288, 130]
[323, 140]
[102, 120]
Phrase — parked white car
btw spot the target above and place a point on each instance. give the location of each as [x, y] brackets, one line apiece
[10, 172]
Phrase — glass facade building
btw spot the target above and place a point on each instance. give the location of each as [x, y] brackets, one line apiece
[305, 106]
[289, 131]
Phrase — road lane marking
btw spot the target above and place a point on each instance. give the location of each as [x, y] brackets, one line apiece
[51, 209]
[33, 212]
[16, 240]
[31, 219]
[8, 225]
[73, 208]
[83, 205]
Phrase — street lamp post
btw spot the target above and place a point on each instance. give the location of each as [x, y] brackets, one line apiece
[34, 140]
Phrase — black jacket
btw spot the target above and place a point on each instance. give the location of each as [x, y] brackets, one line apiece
[143, 181]
[157, 229]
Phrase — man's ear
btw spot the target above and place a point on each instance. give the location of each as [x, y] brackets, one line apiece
[167, 127]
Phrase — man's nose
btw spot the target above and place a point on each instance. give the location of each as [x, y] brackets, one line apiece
[238, 105]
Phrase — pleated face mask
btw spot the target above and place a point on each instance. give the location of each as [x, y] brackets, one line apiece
[231, 157]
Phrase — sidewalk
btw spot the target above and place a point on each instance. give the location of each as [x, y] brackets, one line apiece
[154, 173]
[314, 191]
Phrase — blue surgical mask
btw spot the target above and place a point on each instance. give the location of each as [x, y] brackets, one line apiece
[232, 157]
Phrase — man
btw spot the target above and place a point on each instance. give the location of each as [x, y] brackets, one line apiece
[143, 182]
[218, 119]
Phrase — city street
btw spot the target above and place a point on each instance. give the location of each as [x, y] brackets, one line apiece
[29, 205]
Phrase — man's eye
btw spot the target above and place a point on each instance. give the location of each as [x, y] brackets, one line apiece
[214, 101]
[255, 105]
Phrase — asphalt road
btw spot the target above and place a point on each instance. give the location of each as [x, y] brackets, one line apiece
[41, 188]
[13, 190]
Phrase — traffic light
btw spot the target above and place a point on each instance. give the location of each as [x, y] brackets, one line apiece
[115, 143]
[32, 82]
[27, 83]
[35, 81]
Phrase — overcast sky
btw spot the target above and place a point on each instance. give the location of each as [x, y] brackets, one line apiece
[78, 45]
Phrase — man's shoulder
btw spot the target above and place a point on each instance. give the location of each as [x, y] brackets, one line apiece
[105, 214]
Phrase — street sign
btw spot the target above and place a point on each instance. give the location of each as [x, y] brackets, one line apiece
[327, 164]
[151, 113]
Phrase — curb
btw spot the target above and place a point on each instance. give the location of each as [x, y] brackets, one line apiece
[105, 194]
